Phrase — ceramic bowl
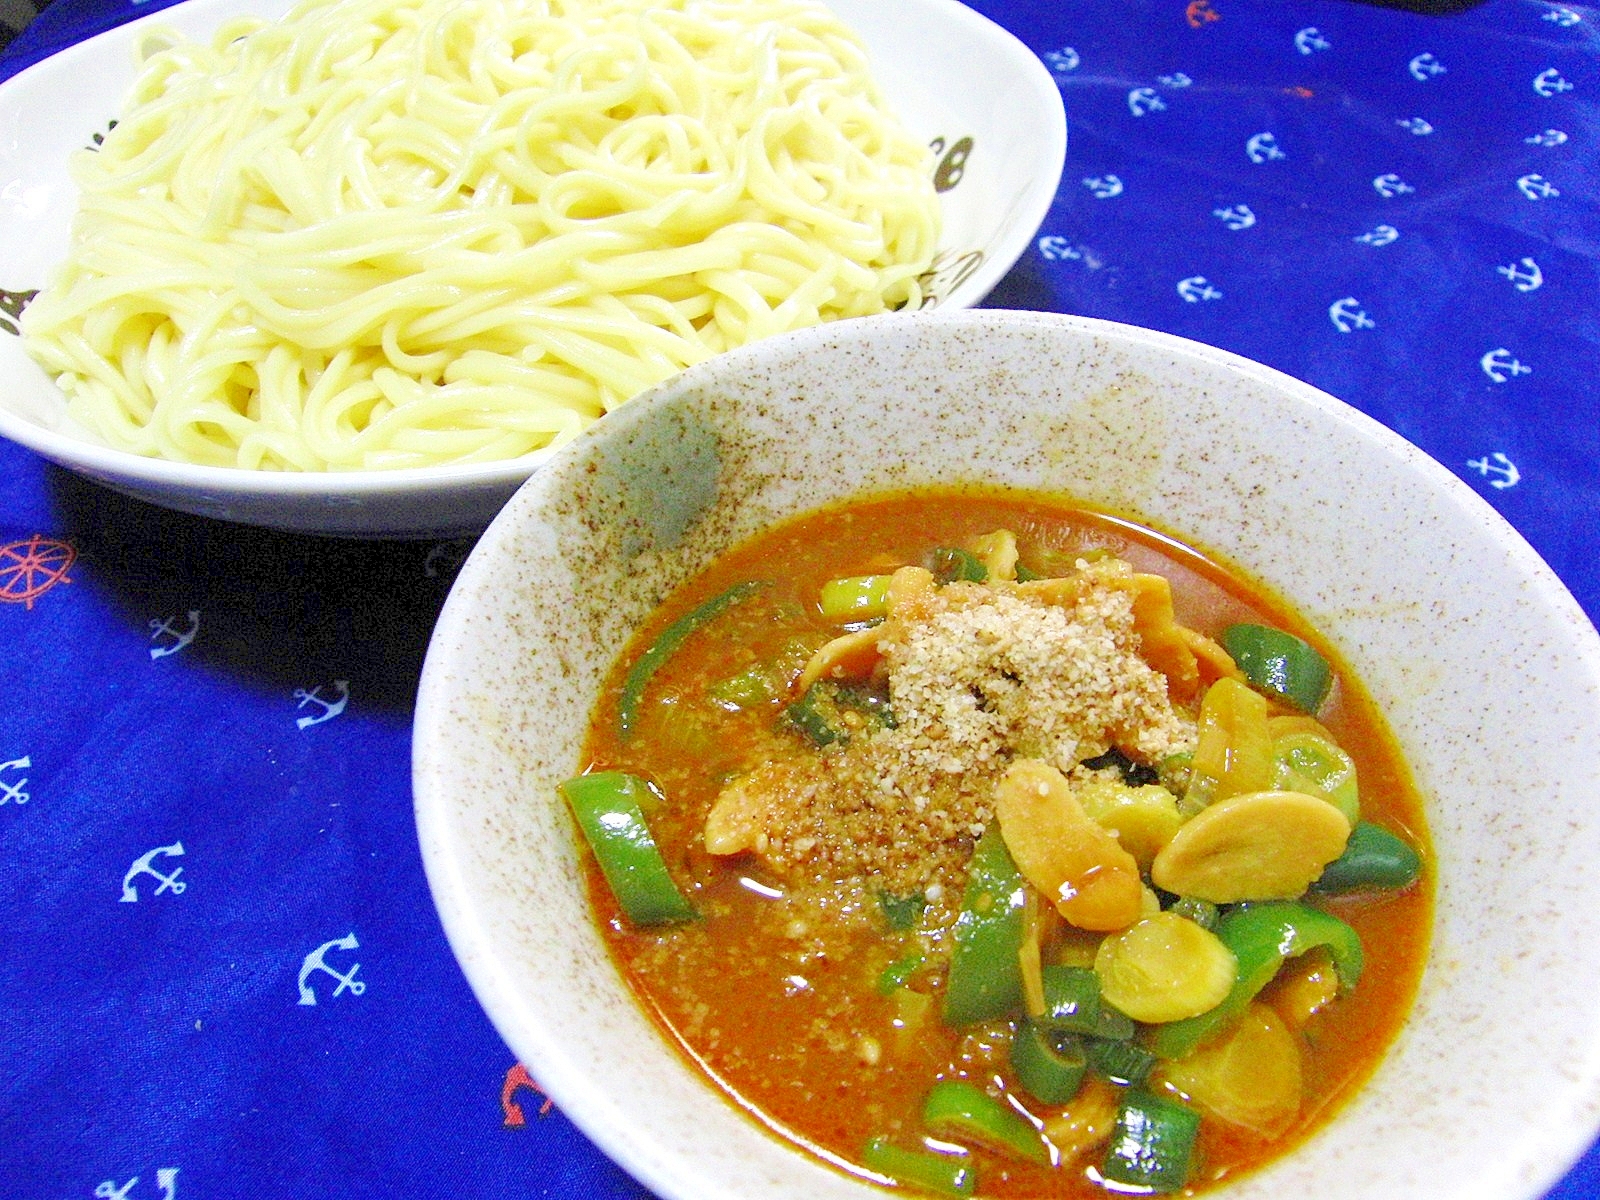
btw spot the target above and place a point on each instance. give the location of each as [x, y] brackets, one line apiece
[958, 80]
[1485, 666]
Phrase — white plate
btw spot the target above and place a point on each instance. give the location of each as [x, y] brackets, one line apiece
[951, 74]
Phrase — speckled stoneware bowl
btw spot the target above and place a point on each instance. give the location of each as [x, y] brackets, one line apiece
[1490, 677]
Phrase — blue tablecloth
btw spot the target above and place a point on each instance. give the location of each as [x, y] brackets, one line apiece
[222, 974]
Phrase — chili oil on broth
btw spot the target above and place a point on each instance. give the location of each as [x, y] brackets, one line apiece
[772, 991]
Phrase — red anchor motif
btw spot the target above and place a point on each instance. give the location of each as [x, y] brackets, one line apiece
[1200, 12]
[518, 1077]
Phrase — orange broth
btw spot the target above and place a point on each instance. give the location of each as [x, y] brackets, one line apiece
[772, 992]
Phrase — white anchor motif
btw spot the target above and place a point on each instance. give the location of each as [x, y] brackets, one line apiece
[1524, 275]
[1499, 365]
[1055, 249]
[1063, 60]
[1415, 125]
[1176, 80]
[1563, 17]
[1238, 217]
[141, 866]
[13, 791]
[1381, 236]
[1391, 185]
[1424, 67]
[1549, 82]
[1196, 288]
[1144, 100]
[1346, 314]
[168, 628]
[1550, 137]
[1263, 147]
[1309, 40]
[166, 1180]
[1537, 187]
[1501, 466]
[330, 708]
[1103, 187]
[313, 962]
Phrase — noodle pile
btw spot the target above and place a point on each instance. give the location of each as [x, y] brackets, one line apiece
[399, 233]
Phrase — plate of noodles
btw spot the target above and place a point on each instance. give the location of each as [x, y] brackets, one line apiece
[357, 267]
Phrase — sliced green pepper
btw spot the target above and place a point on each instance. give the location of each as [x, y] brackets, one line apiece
[896, 974]
[1280, 663]
[1151, 1144]
[819, 713]
[944, 1174]
[985, 979]
[856, 598]
[951, 563]
[1071, 1000]
[1373, 858]
[1049, 1065]
[607, 806]
[1121, 1061]
[663, 648]
[963, 1112]
[1261, 936]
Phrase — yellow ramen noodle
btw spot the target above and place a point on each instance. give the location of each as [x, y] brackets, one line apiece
[399, 233]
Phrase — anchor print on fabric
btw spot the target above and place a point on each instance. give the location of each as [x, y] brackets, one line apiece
[1381, 236]
[516, 1078]
[1524, 274]
[1550, 137]
[1502, 468]
[166, 1180]
[1563, 17]
[1309, 40]
[1196, 288]
[1200, 14]
[1415, 125]
[313, 962]
[1104, 187]
[1537, 187]
[1347, 314]
[30, 568]
[1264, 148]
[1063, 60]
[1425, 67]
[329, 708]
[11, 792]
[1054, 248]
[1144, 100]
[1390, 185]
[142, 866]
[167, 627]
[1176, 80]
[1549, 82]
[1500, 365]
[1235, 217]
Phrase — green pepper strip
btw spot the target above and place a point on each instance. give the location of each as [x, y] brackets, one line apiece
[985, 979]
[1280, 663]
[663, 648]
[1372, 858]
[1071, 1000]
[952, 564]
[1049, 1065]
[945, 1174]
[1120, 1061]
[1261, 936]
[1151, 1144]
[1303, 758]
[607, 807]
[963, 1112]
[856, 598]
